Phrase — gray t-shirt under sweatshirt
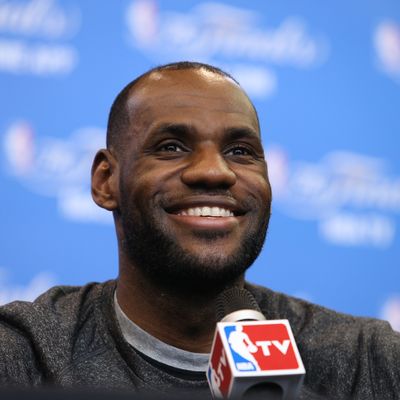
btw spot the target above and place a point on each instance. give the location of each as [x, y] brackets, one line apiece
[71, 337]
[155, 349]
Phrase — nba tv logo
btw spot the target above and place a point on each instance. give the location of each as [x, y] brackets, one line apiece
[255, 348]
[252, 351]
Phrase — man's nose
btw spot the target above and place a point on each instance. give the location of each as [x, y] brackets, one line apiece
[208, 168]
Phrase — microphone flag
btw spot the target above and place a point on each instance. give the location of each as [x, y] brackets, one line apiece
[248, 353]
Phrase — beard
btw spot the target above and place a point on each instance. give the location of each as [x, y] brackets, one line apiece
[155, 251]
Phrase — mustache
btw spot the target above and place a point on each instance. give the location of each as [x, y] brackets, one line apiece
[203, 192]
[245, 204]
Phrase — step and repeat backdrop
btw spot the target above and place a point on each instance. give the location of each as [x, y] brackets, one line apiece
[325, 78]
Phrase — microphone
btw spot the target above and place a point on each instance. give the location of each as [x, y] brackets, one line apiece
[250, 356]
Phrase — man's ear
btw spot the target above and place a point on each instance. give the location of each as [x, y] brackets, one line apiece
[105, 180]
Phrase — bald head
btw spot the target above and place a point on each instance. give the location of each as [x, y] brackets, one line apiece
[122, 114]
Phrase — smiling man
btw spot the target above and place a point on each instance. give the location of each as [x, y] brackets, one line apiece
[185, 177]
[187, 182]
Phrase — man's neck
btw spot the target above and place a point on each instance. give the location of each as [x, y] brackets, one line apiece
[185, 320]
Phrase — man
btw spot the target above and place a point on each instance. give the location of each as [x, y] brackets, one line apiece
[185, 177]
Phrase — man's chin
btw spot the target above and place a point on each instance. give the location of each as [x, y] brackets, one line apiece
[188, 265]
[183, 270]
[197, 276]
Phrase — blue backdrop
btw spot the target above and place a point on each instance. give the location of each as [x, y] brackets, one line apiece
[324, 78]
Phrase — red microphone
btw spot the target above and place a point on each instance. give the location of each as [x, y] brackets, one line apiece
[250, 356]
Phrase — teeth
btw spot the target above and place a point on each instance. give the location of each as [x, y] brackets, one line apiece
[207, 212]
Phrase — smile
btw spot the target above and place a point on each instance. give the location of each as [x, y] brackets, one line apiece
[206, 211]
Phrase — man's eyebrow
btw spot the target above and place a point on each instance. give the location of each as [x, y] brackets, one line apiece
[235, 133]
[173, 128]
[187, 130]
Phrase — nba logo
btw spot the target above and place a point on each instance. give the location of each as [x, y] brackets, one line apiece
[251, 350]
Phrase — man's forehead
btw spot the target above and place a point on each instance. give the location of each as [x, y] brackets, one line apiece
[196, 76]
[185, 87]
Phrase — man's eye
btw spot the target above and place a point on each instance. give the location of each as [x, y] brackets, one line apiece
[170, 147]
[239, 151]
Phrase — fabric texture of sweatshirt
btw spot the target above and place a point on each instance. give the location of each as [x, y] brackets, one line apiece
[70, 338]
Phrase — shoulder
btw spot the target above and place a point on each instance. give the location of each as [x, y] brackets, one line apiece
[60, 303]
[342, 353]
[310, 318]
[41, 335]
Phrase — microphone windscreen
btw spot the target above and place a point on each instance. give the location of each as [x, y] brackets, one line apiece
[234, 299]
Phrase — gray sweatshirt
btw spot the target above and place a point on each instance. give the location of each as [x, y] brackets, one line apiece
[70, 337]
